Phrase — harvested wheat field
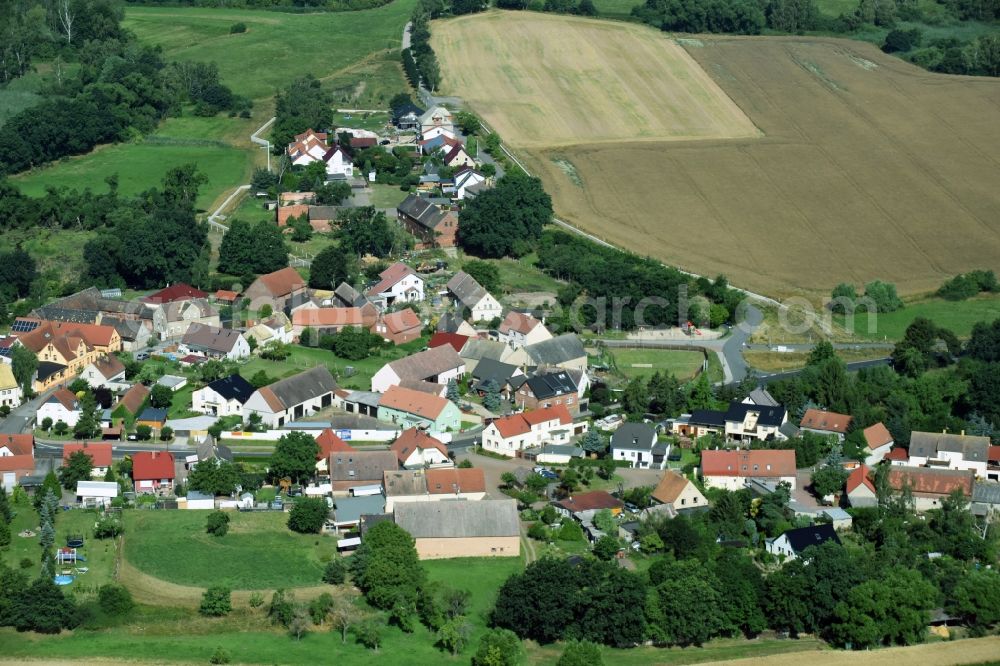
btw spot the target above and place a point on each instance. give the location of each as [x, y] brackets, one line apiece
[542, 80]
[867, 168]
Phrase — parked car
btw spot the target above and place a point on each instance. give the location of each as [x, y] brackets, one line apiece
[546, 473]
[142, 356]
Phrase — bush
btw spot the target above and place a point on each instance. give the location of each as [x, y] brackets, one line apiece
[216, 602]
[115, 600]
[539, 532]
[217, 523]
[570, 531]
[26, 563]
[308, 515]
[220, 656]
[235, 29]
[335, 572]
[107, 527]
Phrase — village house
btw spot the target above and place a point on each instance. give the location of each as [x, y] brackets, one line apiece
[430, 225]
[489, 528]
[10, 391]
[64, 349]
[338, 164]
[583, 506]
[329, 321]
[416, 449]
[520, 330]
[457, 157]
[433, 485]
[215, 342]
[223, 397]
[399, 284]
[825, 423]
[551, 387]
[438, 366]
[135, 333]
[173, 294]
[130, 404]
[793, 543]
[276, 329]
[225, 297]
[734, 470]
[408, 408]
[860, 489]
[565, 351]
[329, 443]
[503, 375]
[17, 459]
[950, 451]
[452, 323]
[636, 444]
[98, 452]
[477, 349]
[154, 417]
[308, 147]
[467, 179]
[879, 442]
[746, 422]
[469, 295]
[679, 493]
[292, 398]
[511, 435]
[94, 494]
[282, 290]
[407, 117]
[437, 117]
[173, 320]
[360, 470]
[930, 486]
[898, 456]
[62, 405]
[153, 472]
[399, 327]
[105, 372]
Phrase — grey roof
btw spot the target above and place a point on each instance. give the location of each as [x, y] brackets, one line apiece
[350, 509]
[789, 429]
[93, 300]
[171, 381]
[458, 519]
[348, 295]
[559, 450]
[323, 212]
[233, 387]
[551, 384]
[211, 338]
[303, 386]
[449, 323]
[153, 414]
[760, 396]
[421, 211]
[198, 495]
[368, 466]
[803, 537]
[988, 493]
[55, 313]
[561, 349]
[927, 445]
[634, 436]
[466, 289]
[367, 398]
[428, 363]
[767, 416]
[489, 368]
[476, 349]
[405, 482]
[128, 329]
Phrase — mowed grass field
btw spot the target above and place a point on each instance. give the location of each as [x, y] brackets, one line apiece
[542, 80]
[957, 316]
[644, 362]
[259, 552]
[276, 47]
[868, 167]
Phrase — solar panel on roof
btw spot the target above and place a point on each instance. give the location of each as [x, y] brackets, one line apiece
[21, 326]
[5, 351]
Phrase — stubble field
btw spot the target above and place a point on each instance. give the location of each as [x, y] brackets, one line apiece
[866, 168]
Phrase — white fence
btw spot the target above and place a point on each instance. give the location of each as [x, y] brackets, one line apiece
[345, 434]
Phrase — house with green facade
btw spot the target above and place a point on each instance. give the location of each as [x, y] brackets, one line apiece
[409, 408]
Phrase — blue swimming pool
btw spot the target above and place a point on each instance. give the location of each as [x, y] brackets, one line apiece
[63, 579]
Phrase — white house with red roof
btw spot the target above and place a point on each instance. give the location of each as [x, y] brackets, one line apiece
[153, 471]
[520, 330]
[17, 459]
[879, 441]
[510, 435]
[415, 449]
[329, 443]
[898, 457]
[62, 405]
[98, 452]
[860, 489]
[398, 283]
[338, 163]
[308, 147]
[736, 469]
[823, 422]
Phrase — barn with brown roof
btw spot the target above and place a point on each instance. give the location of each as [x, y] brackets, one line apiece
[930, 486]
[282, 290]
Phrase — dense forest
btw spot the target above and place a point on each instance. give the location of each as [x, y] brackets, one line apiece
[118, 89]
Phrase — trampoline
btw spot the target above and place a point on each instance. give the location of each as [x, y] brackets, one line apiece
[63, 579]
[74, 542]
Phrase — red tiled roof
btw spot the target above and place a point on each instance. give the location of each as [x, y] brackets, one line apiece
[412, 440]
[759, 463]
[403, 320]
[152, 465]
[363, 141]
[94, 335]
[595, 500]
[391, 276]
[897, 453]
[19, 445]
[133, 398]
[455, 480]
[859, 477]
[993, 454]
[22, 463]
[326, 317]
[99, 452]
[66, 398]
[932, 481]
[877, 435]
[282, 282]
[225, 295]
[295, 210]
[519, 323]
[519, 424]
[443, 338]
[329, 443]
[407, 400]
[818, 419]
[176, 292]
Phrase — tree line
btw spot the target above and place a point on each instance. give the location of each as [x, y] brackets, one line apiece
[121, 90]
[279, 5]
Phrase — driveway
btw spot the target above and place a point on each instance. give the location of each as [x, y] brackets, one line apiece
[803, 478]
[21, 417]
[493, 469]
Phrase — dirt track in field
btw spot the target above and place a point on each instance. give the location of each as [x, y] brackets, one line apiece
[868, 167]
